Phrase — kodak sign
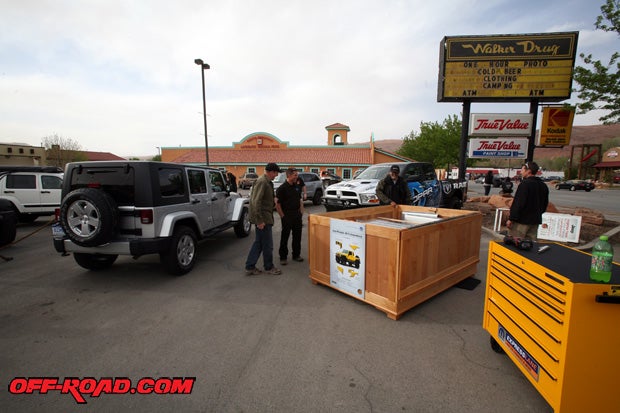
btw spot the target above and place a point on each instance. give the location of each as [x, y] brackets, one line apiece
[556, 126]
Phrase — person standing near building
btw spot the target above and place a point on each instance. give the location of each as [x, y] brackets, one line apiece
[300, 185]
[393, 190]
[488, 181]
[261, 215]
[232, 180]
[289, 205]
[530, 202]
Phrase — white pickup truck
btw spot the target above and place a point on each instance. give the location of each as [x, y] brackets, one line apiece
[426, 189]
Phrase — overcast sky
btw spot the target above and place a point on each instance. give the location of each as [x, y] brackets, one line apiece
[119, 76]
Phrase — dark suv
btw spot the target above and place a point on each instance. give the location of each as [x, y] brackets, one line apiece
[136, 208]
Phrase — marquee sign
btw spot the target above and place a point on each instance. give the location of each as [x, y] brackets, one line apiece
[515, 148]
[500, 124]
[507, 67]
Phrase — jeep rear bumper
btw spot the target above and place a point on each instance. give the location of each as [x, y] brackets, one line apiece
[135, 247]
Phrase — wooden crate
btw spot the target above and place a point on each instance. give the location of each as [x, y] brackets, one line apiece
[404, 267]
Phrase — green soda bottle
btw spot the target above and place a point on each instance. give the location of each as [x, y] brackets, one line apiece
[602, 257]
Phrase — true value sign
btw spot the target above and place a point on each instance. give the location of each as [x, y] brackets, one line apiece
[500, 124]
[498, 148]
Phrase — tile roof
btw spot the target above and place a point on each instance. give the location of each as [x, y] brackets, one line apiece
[102, 156]
[311, 155]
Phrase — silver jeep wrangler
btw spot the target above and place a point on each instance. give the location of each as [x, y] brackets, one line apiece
[136, 208]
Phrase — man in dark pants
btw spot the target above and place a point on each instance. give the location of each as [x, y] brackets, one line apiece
[393, 190]
[261, 215]
[529, 203]
[290, 208]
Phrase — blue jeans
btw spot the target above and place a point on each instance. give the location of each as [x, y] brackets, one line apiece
[263, 243]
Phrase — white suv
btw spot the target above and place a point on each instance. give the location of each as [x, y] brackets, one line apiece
[33, 191]
[314, 185]
[113, 208]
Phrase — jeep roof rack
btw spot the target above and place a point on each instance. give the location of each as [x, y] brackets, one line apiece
[18, 168]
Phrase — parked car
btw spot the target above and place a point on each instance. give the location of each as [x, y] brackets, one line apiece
[134, 208]
[329, 178]
[314, 185]
[33, 191]
[575, 185]
[552, 178]
[247, 180]
[616, 179]
[8, 222]
[357, 172]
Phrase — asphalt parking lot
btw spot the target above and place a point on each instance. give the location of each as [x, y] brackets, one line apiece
[253, 344]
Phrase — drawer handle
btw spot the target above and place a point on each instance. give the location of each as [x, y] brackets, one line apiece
[607, 299]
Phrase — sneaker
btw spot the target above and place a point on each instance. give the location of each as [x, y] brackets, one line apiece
[273, 271]
[298, 259]
[253, 271]
[283, 262]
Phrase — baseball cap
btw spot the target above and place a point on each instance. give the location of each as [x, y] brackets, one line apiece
[395, 168]
[272, 167]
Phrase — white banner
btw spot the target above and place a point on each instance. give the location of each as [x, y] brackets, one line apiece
[500, 124]
[347, 240]
[560, 227]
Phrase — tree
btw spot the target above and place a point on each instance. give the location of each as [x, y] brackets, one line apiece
[436, 143]
[60, 150]
[599, 87]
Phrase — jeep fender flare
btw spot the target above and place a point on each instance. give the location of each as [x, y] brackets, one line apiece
[237, 208]
[169, 222]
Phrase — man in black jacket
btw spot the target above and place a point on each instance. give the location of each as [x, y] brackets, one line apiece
[290, 207]
[529, 203]
[393, 190]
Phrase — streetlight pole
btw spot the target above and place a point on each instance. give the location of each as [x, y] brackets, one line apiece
[204, 66]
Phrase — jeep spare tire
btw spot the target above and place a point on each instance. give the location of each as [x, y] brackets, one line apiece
[89, 216]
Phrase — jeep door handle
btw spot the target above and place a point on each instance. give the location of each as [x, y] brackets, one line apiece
[195, 201]
[45, 192]
[9, 192]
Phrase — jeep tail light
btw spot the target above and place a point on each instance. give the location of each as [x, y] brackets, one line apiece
[57, 215]
[95, 185]
[146, 216]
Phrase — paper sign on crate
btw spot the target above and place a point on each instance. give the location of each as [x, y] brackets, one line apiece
[560, 227]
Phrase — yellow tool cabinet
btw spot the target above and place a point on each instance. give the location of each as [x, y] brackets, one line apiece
[560, 329]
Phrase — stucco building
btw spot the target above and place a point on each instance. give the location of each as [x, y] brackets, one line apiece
[255, 150]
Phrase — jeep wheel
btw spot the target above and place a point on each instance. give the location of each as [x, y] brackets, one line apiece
[89, 217]
[316, 199]
[94, 262]
[181, 256]
[243, 227]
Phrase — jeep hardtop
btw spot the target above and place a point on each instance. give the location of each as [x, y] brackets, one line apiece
[113, 208]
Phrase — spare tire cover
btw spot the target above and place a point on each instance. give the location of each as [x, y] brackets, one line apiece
[89, 216]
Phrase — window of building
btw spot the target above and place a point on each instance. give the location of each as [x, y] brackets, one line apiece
[9, 150]
[315, 170]
[346, 173]
[331, 170]
[21, 150]
[252, 170]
